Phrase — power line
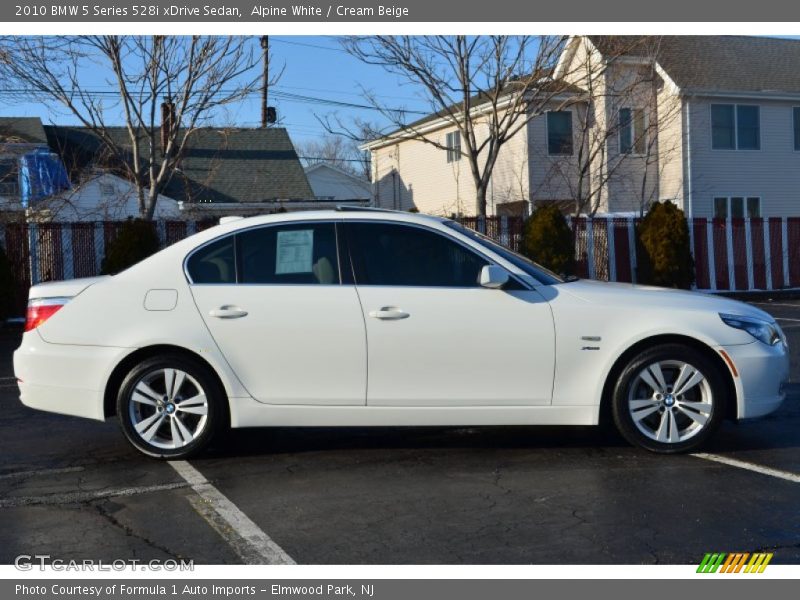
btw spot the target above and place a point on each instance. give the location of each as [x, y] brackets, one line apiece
[307, 45]
[330, 91]
[283, 95]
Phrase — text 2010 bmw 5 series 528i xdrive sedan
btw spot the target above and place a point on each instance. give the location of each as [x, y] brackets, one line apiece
[379, 318]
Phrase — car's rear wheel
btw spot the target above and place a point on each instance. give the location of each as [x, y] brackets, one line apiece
[669, 399]
[170, 407]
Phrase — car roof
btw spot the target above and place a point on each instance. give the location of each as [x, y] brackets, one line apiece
[350, 213]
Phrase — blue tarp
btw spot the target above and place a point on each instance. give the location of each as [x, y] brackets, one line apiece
[41, 174]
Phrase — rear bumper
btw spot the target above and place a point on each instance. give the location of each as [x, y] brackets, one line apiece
[763, 373]
[62, 378]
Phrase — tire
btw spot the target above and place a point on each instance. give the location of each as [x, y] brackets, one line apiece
[174, 422]
[652, 412]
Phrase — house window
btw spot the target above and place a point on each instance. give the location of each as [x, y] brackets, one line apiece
[453, 143]
[107, 189]
[735, 127]
[796, 114]
[632, 135]
[559, 132]
[737, 207]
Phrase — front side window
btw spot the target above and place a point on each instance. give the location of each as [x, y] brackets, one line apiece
[632, 136]
[735, 127]
[295, 254]
[559, 132]
[523, 263]
[402, 255]
[453, 143]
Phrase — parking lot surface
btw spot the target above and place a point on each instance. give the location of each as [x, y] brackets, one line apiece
[73, 489]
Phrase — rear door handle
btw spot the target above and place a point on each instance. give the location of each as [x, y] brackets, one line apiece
[389, 313]
[227, 312]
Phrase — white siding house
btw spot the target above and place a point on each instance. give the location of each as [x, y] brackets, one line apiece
[645, 113]
[335, 185]
[100, 197]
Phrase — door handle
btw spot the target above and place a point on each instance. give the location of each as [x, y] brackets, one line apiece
[227, 312]
[389, 313]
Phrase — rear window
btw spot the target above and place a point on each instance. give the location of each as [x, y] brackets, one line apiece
[293, 254]
[213, 263]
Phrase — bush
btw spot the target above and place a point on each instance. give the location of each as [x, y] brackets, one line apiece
[548, 239]
[6, 286]
[135, 241]
[663, 252]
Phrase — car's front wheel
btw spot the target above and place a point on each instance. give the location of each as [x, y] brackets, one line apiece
[669, 399]
[170, 407]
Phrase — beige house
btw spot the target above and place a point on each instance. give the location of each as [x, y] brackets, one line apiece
[709, 122]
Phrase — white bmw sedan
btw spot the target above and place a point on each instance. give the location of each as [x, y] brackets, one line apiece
[366, 317]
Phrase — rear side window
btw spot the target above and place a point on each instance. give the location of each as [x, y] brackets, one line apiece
[301, 253]
[401, 255]
[213, 263]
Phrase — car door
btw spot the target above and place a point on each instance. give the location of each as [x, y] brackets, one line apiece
[273, 299]
[435, 337]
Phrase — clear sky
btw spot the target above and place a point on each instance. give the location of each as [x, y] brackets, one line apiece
[316, 68]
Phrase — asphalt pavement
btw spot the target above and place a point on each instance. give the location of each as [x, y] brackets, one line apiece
[73, 489]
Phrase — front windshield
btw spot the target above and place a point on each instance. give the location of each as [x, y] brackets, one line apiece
[523, 263]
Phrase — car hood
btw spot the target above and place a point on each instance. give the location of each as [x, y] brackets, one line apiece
[624, 295]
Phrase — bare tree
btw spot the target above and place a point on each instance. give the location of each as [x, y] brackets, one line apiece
[164, 87]
[486, 87]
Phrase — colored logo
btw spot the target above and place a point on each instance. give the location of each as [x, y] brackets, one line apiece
[735, 562]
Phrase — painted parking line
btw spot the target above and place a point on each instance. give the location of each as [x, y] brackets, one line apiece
[242, 534]
[80, 497]
[786, 319]
[748, 466]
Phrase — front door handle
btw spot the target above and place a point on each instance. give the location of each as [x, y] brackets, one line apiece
[228, 312]
[389, 313]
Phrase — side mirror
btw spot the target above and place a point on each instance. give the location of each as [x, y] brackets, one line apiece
[493, 277]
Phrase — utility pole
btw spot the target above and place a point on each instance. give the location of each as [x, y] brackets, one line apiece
[265, 83]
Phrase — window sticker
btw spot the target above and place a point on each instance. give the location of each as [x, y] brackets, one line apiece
[295, 252]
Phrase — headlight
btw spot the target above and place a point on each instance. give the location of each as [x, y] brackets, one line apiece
[763, 331]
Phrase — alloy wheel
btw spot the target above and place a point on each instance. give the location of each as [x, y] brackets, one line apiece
[168, 408]
[670, 401]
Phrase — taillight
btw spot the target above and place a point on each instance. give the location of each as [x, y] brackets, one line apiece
[41, 309]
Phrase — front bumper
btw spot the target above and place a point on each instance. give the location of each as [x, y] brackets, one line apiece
[64, 378]
[762, 375]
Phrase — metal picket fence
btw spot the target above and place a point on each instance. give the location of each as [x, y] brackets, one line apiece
[730, 255]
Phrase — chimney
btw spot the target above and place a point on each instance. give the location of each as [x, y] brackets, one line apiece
[167, 121]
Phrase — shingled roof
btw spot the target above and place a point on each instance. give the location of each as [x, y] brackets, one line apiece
[22, 130]
[717, 63]
[219, 165]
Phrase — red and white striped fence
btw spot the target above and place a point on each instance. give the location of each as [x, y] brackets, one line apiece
[730, 254]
